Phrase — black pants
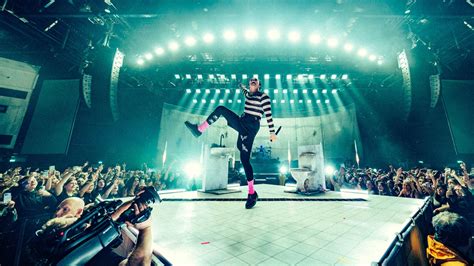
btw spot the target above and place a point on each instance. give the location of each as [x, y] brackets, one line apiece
[247, 126]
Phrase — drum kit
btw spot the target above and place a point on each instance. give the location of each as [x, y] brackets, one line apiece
[262, 152]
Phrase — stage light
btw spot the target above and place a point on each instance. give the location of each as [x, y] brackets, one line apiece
[289, 76]
[332, 42]
[176, 76]
[190, 41]
[192, 169]
[310, 76]
[218, 91]
[198, 91]
[277, 76]
[333, 76]
[421, 162]
[318, 101]
[334, 91]
[266, 76]
[173, 46]
[285, 91]
[211, 76]
[140, 61]
[300, 101]
[274, 101]
[251, 34]
[294, 36]
[292, 101]
[322, 76]
[188, 76]
[308, 101]
[230, 101]
[325, 91]
[348, 47]
[159, 51]
[329, 170]
[295, 91]
[148, 56]
[305, 91]
[244, 76]
[380, 61]
[266, 91]
[255, 76]
[203, 101]
[188, 90]
[315, 91]
[275, 91]
[300, 76]
[282, 101]
[229, 35]
[195, 101]
[233, 76]
[208, 91]
[326, 101]
[283, 170]
[239, 100]
[213, 101]
[372, 57]
[273, 34]
[237, 91]
[362, 52]
[221, 101]
[208, 38]
[314, 38]
[241, 170]
[227, 91]
[199, 76]
[344, 76]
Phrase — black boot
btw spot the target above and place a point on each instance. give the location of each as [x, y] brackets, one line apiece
[251, 200]
[193, 128]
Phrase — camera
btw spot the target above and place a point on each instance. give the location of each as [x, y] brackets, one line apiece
[95, 230]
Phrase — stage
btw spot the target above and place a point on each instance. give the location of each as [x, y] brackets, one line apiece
[334, 228]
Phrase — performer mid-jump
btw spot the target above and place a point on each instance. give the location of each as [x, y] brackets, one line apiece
[248, 124]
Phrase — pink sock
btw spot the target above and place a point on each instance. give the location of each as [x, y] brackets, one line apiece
[203, 126]
[251, 189]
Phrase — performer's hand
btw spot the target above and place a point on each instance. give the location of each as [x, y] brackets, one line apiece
[273, 137]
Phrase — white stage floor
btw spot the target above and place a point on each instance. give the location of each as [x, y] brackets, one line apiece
[329, 229]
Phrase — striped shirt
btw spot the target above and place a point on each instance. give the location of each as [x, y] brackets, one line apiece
[258, 104]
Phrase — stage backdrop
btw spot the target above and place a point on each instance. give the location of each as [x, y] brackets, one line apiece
[337, 131]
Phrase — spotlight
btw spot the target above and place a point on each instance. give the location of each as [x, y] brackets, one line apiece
[305, 91]
[289, 76]
[159, 51]
[208, 91]
[198, 91]
[229, 35]
[192, 169]
[318, 101]
[283, 170]
[250, 34]
[221, 101]
[203, 101]
[325, 91]
[227, 91]
[190, 41]
[208, 38]
[372, 57]
[173, 46]
[211, 76]
[362, 52]
[315, 91]
[333, 76]
[292, 101]
[294, 36]
[295, 91]
[314, 38]
[332, 42]
[255, 76]
[326, 101]
[148, 56]
[188, 90]
[266, 91]
[308, 101]
[176, 76]
[233, 76]
[322, 76]
[300, 76]
[282, 101]
[199, 76]
[300, 101]
[188, 76]
[230, 101]
[329, 170]
[348, 47]
[285, 91]
[140, 61]
[277, 76]
[266, 76]
[334, 91]
[237, 91]
[274, 101]
[275, 91]
[239, 100]
[273, 34]
[380, 61]
[244, 76]
[344, 76]
[213, 101]
[241, 170]
[218, 91]
[310, 76]
[195, 101]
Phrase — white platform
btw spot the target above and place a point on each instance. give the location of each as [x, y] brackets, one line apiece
[278, 232]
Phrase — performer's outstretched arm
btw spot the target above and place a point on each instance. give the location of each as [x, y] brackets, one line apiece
[267, 110]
